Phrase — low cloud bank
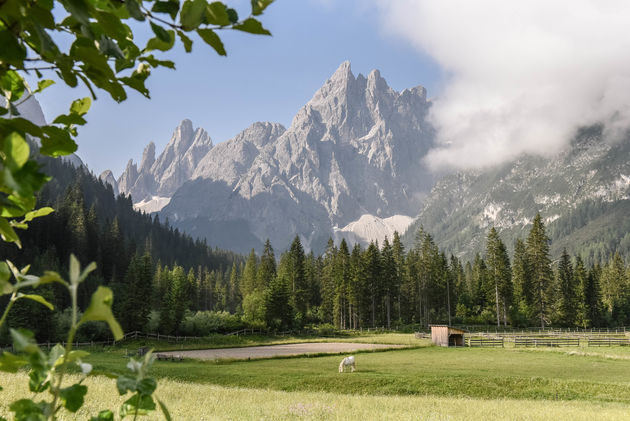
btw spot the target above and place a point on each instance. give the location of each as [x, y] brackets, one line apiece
[522, 75]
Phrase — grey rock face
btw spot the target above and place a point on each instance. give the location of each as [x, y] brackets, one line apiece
[175, 165]
[355, 148]
[107, 177]
[582, 194]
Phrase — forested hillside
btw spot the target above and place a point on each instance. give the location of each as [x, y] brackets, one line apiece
[582, 193]
[166, 282]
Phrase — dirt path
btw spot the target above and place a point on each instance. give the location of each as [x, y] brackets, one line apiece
[273, 350]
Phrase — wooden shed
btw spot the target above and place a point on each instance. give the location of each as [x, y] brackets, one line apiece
[444, 335]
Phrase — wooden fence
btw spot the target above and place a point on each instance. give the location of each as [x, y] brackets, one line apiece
[608, 342]
[485, 342]
[549, 341]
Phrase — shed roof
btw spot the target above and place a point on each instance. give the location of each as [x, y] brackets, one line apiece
[451, 329]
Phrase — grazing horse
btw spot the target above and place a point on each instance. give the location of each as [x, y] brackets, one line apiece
[348, 361]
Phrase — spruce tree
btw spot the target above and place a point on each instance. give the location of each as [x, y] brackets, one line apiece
[248, 278]
[499, 274]
[582, 318]
[567, 297]
[541, 271]
[267, 267]
[521, 280]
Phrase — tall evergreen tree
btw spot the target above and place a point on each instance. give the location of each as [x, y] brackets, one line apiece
[248, 278]
[522, 284]
[541, 271]
[567, 296]
[267, 267]
[499, 274]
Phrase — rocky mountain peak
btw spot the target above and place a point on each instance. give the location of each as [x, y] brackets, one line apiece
[107, 177]
[148, 157]
[160, 177]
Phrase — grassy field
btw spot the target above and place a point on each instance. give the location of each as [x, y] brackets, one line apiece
[417, 383]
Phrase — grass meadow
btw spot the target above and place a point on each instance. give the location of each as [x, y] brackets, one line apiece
[417, 383]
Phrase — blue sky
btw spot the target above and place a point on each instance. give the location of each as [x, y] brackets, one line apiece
[262, 78]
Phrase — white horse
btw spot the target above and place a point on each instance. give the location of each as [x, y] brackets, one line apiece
[348, 361]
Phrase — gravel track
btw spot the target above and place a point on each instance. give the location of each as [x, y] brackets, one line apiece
[275, 350]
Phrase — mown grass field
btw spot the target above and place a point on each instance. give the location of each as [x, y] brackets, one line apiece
[418, 383]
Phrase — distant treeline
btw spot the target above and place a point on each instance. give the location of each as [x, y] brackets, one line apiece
[164, 281]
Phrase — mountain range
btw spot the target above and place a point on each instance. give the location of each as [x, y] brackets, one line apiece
[582, 194]
[349, 166]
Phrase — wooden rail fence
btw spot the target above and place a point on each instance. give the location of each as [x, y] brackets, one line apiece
[485, 342]
[608, 341]
[536, 342]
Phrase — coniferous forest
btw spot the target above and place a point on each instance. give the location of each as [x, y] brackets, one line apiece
[165, 281]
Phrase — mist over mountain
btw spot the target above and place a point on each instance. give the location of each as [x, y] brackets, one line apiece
[582, 194]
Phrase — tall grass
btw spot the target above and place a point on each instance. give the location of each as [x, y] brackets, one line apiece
[192, 401]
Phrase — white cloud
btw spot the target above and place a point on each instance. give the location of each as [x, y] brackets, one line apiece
[522, 75]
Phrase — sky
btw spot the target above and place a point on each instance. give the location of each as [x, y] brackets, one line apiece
[261, 79]
[506, 77]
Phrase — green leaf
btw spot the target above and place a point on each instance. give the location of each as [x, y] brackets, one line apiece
[186, 41]
[105, 415]
[55, 356]
[81, 106]
[100, 309]
[258, 6]
[12, 51]
[37, 298]
[192, 13]
[112, 25]
[139, 403]
[232, 15]
[212, 39]
[158, 44]
[16, 150]
[23, 341]
[134, 9]
[75, 270]
[169, 7]
[26, 409]
[72, 397]
[56, 142]
[69, 119]
[8, 233]
[146, 386]
[78, 9]
[252, 26]
[10, 363]
[43, 84]
[125, 384]
[164, 409]
[5, 275]
[162, 33]
[37, 213]
[50, 277]
[216, 14]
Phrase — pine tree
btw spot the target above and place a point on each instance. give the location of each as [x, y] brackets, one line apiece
[499, 274]
[582, 318]
[614, 283]
[521, 280]
[541, 272]
[249, 275]
[567, 297]
[341, 279]
[389, 277]
[267, 267]
[373, 284]
[328, 283]
[399, 261]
